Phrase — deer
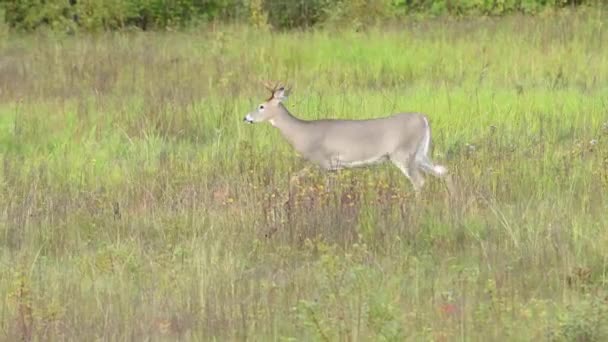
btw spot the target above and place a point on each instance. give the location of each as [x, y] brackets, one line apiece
[403, 139]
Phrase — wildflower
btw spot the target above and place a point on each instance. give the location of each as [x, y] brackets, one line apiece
[449, 309]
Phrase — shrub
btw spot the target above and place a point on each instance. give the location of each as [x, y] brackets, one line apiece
[111, 14]
[287, 14]
[359, 13]
[585, 321]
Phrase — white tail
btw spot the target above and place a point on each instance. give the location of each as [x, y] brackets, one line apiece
[403, 138]
[422, 154]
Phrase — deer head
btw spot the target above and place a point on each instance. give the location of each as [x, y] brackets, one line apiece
[272, 107]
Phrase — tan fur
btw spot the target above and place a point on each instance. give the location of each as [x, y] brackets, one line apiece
[402, 138]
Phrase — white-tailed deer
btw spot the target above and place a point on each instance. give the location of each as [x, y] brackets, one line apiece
[402, 138]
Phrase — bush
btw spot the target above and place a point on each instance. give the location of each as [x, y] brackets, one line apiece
[476, 7]
[110, 14]
[31, 14]
[296, 13]
[585, 321]
[359, 13]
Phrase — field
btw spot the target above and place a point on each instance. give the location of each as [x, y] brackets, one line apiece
[136, 205]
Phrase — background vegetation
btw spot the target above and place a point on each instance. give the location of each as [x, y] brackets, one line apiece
[70, 15]
[135, 204]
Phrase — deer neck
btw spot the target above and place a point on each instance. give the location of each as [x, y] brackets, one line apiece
[293, 129]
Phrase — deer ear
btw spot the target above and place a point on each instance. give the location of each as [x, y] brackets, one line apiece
[281, 94]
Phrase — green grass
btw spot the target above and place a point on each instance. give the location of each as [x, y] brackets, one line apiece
[135, 204]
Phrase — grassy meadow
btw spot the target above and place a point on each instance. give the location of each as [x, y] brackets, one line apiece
[136, 205]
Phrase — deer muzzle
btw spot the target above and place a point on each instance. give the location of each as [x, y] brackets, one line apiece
[248, 118]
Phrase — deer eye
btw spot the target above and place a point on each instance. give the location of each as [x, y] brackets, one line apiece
[261, 106]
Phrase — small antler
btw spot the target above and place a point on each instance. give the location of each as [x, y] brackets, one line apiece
[272, 87]
[268, 85]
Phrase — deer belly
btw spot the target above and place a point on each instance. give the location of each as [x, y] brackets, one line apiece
[339, 162]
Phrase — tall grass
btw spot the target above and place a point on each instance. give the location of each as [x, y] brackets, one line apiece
[135, 203]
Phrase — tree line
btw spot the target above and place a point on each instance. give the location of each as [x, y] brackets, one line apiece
[90, 15]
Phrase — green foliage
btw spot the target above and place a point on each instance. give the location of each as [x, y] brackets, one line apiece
[296, 13]
[282, 14]
[484, 7]
[31, 14]
[358, 13]
[110, 14]
[586, 321]
[258, 17]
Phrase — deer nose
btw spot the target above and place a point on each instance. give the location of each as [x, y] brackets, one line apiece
[248, 119]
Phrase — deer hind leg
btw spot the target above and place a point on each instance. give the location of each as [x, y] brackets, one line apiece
[332, 168]
[439, 171]
[411, 170]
